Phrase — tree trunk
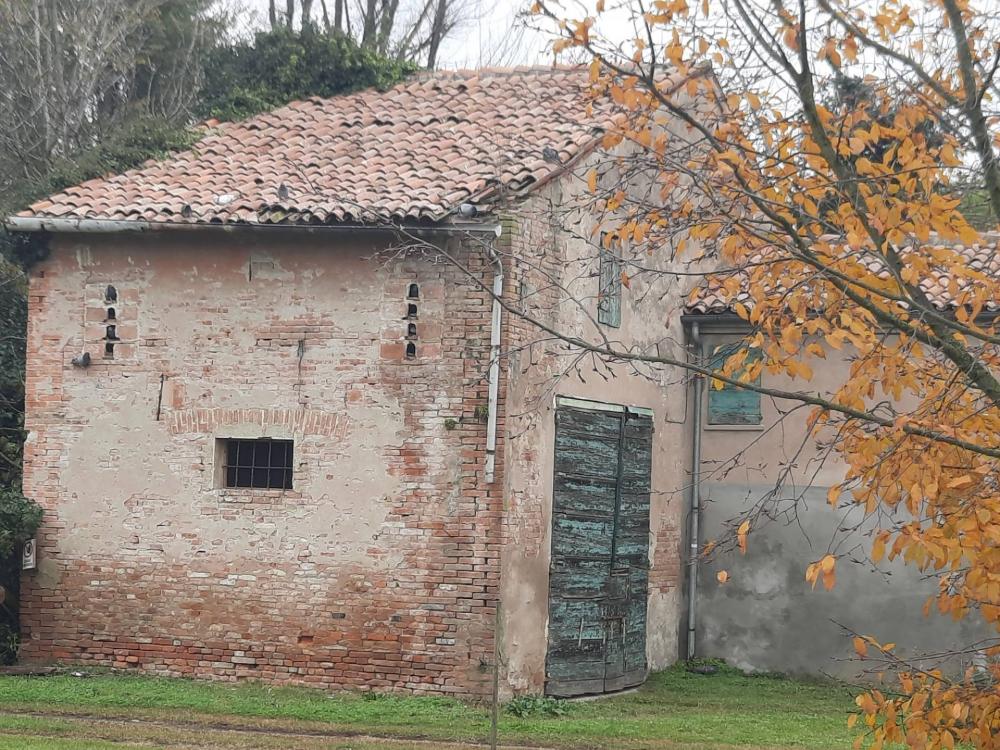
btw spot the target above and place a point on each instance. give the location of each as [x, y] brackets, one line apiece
[438, 29]
[338, 15]
[370, 23]
[386, 23]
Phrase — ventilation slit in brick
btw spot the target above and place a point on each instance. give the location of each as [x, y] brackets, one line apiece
[411, 351]
[109, 350]
[413, 292]
[110, 294]
[111, 333]
[411, 312]
[411, 330]
[112, 314]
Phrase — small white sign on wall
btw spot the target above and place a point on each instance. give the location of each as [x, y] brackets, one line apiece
[28, 555]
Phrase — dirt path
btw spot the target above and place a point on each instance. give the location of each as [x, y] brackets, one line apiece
[208, 733]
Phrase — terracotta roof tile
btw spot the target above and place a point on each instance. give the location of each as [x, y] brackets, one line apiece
[412, 153]
[983, 257]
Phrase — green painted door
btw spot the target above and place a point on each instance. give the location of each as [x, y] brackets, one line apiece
[599, 573]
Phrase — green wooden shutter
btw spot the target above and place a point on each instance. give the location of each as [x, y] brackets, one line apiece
[598, 580]
[609, 299]
[732, 405]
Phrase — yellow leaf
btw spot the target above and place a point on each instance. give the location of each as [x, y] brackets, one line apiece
[829, 580]
[790, 38]
[960, 482]
[812, 574]
[741, 536]
[827, 566]
[878, 548]
[860, 646]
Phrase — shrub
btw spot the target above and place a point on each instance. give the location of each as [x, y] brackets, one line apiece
[276, 67]
[527, 706]
[19, 520]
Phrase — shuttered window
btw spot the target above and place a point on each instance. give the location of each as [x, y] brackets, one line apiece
[609, 299]
[732, 405]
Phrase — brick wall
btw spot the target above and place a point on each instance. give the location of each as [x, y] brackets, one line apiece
[379, 569]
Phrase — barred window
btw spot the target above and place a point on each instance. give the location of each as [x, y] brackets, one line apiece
[263, 463]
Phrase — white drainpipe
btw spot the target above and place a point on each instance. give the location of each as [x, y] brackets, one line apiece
[494, 373]
[695, 505]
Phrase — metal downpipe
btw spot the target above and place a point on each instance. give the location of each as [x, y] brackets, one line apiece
[695, 506]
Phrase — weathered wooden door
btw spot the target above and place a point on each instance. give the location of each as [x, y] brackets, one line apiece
[599, 574]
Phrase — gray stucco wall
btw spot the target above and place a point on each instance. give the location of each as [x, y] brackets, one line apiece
[766, 617]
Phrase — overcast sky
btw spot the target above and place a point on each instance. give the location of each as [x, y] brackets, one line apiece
[495, 30]
[494, 36]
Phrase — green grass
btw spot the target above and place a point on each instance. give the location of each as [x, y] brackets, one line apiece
[48, 743]
[674, 707]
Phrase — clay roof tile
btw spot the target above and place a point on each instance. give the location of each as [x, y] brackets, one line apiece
[416, 150]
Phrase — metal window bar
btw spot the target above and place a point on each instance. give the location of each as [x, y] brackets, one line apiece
[260, 464]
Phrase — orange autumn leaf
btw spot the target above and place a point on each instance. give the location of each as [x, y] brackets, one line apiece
[826, 223]
[741, 536]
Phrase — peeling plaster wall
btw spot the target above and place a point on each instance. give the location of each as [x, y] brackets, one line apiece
[380, 567]
[766, 617]
[538, 374]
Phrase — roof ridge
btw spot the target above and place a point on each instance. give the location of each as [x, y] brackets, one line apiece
[495, 72]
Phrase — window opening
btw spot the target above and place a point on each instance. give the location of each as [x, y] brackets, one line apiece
[262, 464]
[730, 404]
[609, 298]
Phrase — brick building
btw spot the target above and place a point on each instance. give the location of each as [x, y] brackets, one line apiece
[281, 430]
